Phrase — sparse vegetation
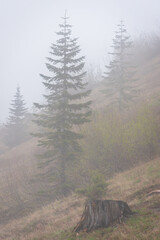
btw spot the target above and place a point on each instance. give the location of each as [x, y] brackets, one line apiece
[56, 221]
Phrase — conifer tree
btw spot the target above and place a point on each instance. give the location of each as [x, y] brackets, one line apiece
[65, 105]
[119, 79]
[15, 128]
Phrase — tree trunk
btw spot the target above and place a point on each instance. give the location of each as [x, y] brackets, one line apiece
[102, 213]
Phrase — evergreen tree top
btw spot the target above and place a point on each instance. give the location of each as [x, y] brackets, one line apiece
[17, 110]
[64, 63]
[121, 40]
[119, 79]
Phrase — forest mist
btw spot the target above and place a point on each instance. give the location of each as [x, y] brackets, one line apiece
[74, 102]
[28, 28]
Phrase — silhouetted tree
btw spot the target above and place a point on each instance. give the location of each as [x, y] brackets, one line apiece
[65, 106]
[15, 127]
[119, 79]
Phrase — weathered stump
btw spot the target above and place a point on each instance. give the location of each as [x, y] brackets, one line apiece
[102, 213]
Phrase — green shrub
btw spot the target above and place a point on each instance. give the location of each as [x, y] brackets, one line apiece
[113, 144]
[97, 187]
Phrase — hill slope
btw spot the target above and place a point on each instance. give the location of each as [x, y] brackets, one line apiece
[19, 187]
[54, 221]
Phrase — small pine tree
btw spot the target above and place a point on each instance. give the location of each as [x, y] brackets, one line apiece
[63, 108]
[119, 79]
[97, 187]
[15, 128]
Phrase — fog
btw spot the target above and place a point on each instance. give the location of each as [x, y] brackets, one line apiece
[28, 28]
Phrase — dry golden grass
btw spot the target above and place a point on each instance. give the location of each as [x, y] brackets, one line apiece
[131, 181]
[62, 214]
[131, 186]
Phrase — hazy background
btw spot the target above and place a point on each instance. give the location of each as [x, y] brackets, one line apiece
[27, 28]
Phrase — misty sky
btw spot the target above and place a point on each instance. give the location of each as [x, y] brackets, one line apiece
[27, 28]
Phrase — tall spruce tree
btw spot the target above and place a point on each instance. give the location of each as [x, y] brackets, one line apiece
[119, 79]
[65, 104]
[15, 128]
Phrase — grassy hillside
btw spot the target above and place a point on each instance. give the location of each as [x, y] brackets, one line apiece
[18, 166]
[109, 146]
[113, 143]
[21, 186]
[56, 221]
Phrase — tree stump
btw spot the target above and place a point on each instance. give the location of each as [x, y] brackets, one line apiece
[102, 213]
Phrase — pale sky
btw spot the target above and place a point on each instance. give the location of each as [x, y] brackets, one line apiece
[28, 28]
